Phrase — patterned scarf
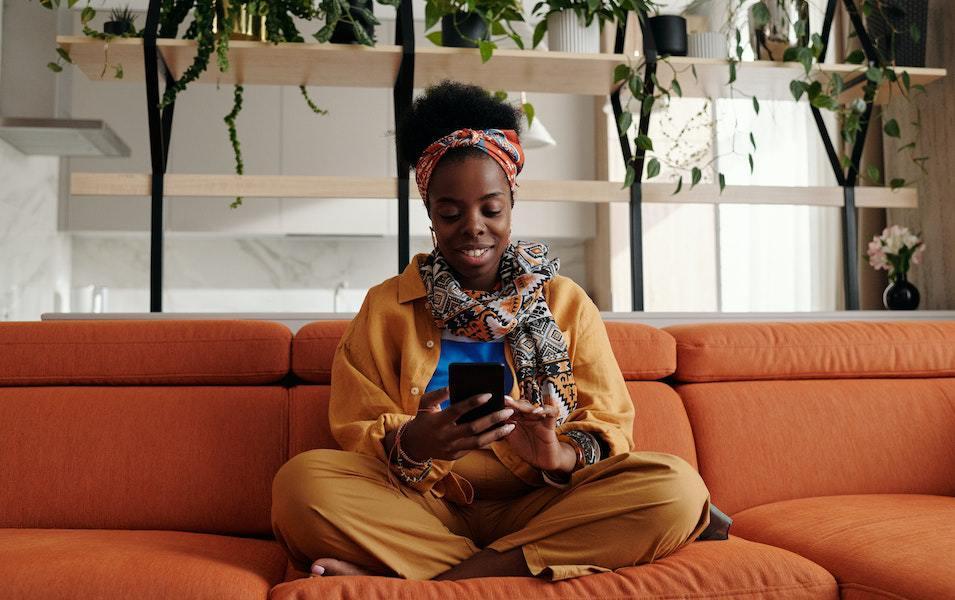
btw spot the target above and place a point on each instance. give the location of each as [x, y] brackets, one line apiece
[517, 310]
[500, 144]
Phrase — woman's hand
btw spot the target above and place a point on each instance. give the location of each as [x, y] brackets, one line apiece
[534, 438]
[434, 433]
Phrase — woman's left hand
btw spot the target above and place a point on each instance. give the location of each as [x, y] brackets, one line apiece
[534, 438]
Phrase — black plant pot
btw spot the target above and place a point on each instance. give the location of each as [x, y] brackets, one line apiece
[344, 31]
[669, 34]
[905, 50]
[901, 295]
[117, 27]
[459, 29]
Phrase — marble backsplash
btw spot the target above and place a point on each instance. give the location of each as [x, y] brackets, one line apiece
[261, 274]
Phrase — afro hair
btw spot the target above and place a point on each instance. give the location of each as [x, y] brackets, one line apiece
[447, 107]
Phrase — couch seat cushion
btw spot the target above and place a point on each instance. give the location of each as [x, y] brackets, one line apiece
[879, 545]
[734, 568]
[50, 564]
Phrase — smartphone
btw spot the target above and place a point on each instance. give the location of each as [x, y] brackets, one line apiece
[470, 379]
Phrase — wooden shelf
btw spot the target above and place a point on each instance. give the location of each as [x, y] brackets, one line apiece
[293, 186]
[512, 70]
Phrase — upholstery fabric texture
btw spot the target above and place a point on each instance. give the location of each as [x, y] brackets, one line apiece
[58, 564]
[764, 441]
[891, 546]
[824, 350]
[734, 568]
[174, 352]
[184, 458]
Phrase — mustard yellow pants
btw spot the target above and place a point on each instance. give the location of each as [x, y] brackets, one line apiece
[625, 510]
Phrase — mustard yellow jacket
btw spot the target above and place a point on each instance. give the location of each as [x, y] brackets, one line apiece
[387, 356]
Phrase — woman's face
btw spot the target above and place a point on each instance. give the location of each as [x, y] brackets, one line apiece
[470, 210]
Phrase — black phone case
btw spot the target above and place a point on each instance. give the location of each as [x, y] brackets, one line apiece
[469, 379]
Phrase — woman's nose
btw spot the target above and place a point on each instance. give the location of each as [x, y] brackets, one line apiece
[474, 225]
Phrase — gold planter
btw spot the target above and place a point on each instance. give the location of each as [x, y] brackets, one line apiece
[245, 26]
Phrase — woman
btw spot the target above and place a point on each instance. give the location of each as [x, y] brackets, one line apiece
[547, 486]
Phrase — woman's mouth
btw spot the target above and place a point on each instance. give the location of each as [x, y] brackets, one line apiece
[475, 256]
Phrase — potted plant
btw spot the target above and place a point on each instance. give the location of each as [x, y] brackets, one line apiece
[896, 250]
[571, 25]
[122, 22]
[462, 20]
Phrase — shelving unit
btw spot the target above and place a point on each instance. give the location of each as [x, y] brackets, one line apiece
[401, 67]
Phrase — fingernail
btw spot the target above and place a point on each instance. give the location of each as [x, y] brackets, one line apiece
[537, 410]
[508, 428]
[508, 412]
[484, 397]
[318, 569]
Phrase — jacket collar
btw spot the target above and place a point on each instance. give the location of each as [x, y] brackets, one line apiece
[410, 286]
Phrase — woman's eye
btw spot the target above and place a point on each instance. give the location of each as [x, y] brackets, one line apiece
[449, 217]
[493, 213]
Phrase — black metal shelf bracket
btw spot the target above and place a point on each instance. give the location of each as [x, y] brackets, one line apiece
[403, 90]
[636, 190]
[160, 132]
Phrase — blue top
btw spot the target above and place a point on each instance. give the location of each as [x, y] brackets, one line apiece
[461, 349]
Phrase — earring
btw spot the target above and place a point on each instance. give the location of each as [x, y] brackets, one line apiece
[434, 238]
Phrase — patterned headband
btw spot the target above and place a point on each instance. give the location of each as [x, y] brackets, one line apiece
[500, 144]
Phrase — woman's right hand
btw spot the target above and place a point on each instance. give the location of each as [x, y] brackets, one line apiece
[434, 433]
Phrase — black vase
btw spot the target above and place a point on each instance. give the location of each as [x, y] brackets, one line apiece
[459, 29]
[901, 295]
[669, 34]
[903, 15]
[117, 27]
[344, 31]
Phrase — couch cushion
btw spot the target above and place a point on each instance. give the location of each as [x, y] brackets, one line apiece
[734, 568]
[308, 419]
[747, 351]
[643, 352]
[763, 441]
[888, 546]
[186, 458]
[51, 564]
[179, 352]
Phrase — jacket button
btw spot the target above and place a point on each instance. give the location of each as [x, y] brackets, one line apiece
[414, 391]
[429, 344]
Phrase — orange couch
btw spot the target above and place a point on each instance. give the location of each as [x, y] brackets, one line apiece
[136, 459]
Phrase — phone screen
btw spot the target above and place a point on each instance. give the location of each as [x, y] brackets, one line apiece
[470, 379]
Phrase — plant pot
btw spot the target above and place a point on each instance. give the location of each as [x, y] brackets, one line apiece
[118, 27]
[245, 26]
[772, 39]
[706, 44]
[669, 34]
[902, 14]
[901, 295]
[566, 32]
[344, 32]
[460, 29]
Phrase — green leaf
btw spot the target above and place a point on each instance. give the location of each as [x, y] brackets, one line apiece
[87, 15]
[696, 176]
[71, 3]
[325, 33]
[752, 165]
[804, 56]
[434, 37]
[431, 15]
[836, 84]
[675, 86]
[732, 72]
[906, 80]
[54, 67]
[635, 83]
[679, 186]
[897, 183]
[798, 88]
[752, 140]
[487, 48]
[760, 14]
[722, 183]
[630, 177]
[64, 55]
[909, 146]
[653, 168]
[624, 122]
[517, 40]
[874, 74]
[791, 54]
[693, 70]
[644, 143]
[892, 129]
[856, 57]
[539, 32]
[529, 111]
[620, 72]
[118, 71]
[647, 105]
[915, 33]
[873, 173]
[755, 105]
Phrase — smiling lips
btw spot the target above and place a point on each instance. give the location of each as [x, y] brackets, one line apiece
[475, 257]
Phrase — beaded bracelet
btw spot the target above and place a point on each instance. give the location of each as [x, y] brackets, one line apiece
[402, 457]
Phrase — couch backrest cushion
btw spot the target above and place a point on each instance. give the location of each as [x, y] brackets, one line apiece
[643, 353]
[824, 350]
[765, 441]
[173, 352]
[174, 458]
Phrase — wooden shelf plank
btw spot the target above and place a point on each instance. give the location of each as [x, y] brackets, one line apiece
[511, 70]
[293, 186]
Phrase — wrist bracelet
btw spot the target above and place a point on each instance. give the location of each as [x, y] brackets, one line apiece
[402, 458]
